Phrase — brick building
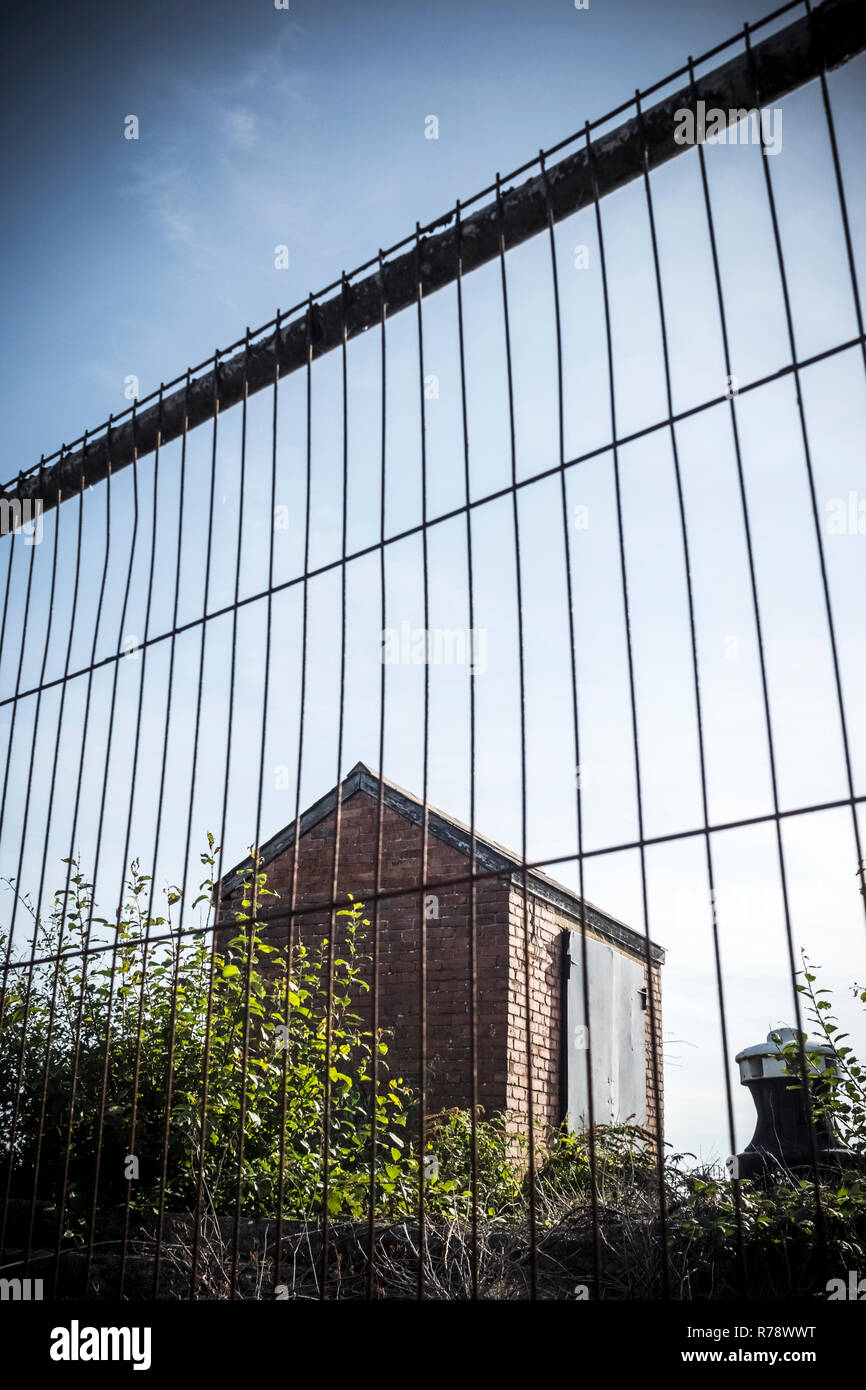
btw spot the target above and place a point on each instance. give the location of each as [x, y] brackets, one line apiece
[616, 960]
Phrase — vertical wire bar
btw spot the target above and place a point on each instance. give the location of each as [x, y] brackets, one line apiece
[801, 410]
[10, 744]
[89, 927]
[160, 802]
[530, 1088]
[380, 804]
[699, 714]
[819, 1212]
[133, 782]
[759, 636]
[17, 894]
[224, 813]
[473, 867]
[338, 812]
[97, 1165]
[101, 823]
[35, 731]
[48, 819]
[266, 690]
[422, 929]
[843, 201]
[8, 956]
[855, 292]
[293, 894]
[596, 1233]
[654, 1057]
[3, 801]
[172, 1033]
[249, 923]
[7, 586]
[196, 1238]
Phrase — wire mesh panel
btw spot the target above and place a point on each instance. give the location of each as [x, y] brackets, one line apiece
[492, 614]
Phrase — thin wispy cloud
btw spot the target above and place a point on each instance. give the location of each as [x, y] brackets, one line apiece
[235, 124]
[241, 128]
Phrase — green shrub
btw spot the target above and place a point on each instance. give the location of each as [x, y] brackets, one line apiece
[222, 1057]
[184, 1016]
[838, 1088]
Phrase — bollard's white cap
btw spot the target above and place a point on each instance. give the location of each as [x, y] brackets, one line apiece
[768, 1058]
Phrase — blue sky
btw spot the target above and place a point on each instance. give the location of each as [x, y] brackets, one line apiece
[263, 127]
[306, 128]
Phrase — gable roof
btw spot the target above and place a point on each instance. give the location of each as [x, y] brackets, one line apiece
[489, 855]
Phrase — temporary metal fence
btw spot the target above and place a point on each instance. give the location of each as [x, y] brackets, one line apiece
[576, 174]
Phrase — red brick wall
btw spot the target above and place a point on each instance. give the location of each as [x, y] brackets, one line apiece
[545, 983]
[501, 1011]
[448, 986]
[655, 1094]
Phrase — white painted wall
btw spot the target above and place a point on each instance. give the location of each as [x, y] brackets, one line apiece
[616, 1034]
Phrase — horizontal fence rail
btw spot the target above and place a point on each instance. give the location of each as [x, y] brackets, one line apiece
[777, 66]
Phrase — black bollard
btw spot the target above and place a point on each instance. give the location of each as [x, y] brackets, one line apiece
[782, 1141]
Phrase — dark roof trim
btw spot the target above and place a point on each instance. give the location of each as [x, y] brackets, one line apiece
[488, 855]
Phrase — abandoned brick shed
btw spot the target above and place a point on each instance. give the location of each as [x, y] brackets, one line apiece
[619, 976]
